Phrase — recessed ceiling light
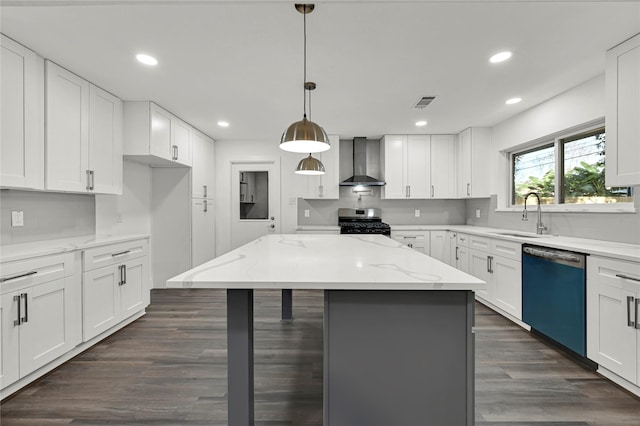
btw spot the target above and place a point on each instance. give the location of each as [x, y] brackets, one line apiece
[146, 59]
[223, 123]
[512, 101]
[421, 123]
[500, 57]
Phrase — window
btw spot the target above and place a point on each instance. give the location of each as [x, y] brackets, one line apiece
[566, 170]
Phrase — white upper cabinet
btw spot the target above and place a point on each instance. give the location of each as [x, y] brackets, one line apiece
[443, 166]
[83, 135]
[473, 160]
[326, 186]
[105, 141]
[22, 117]
[67, 130]
[202, 172]
[156, 137]
[418, 166]
[623, 113]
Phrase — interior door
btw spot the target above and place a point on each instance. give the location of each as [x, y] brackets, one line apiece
[255, 201]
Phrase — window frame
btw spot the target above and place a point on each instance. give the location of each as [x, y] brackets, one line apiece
[558, 141]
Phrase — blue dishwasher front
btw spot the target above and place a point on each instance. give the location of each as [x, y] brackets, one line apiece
[554, 295]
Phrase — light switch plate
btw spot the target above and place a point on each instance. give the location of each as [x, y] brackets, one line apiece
[17, 218]
[306, 213]
[478, 213]
[417, 213]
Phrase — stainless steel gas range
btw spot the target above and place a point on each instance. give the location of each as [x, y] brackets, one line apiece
[362, 221]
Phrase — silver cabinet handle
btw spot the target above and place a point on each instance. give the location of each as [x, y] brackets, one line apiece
[15, 277]
[124, 274]
[488, 267]
[205, 205]
[628, 277]
[205, 190]
[630, 321]
[17, 299]
[637, 326]
[457, 258]
[88, 187]
[120, 273]
[468, 189]
[432, 190]
[25, 318]
[93, 179]
[174, 152]
[121, 253]
[177, 152]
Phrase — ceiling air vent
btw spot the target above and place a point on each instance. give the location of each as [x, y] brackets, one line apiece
[423, 102]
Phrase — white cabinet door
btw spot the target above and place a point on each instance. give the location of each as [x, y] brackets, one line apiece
[443, 166]
[101, 300]
[330, 182]
[134, 287]
[48, 331]
[417, 240]
[418, 166]
[392, 158]
[479, 268]
[622, 112]
[160, 139]
[202, 231]
[473, 157]
[9, 339]
[67, 130]
[202, 171]
[181, 141]
[462, 259]
[440, 246]
[507, 285]
[105, 141]
[21, 115]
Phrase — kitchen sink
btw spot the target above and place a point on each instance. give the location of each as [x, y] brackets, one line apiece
[521, 235]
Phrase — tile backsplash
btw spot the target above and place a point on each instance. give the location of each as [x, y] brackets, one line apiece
[47, 215]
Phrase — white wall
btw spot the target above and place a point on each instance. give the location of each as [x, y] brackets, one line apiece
[227, 152]
[129, 213]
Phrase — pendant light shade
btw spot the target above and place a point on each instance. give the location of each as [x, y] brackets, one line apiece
[310, 166]
[305, 136]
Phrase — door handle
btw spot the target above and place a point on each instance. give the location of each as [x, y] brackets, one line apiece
[93, 180]
[17, 299]
[120, 272]
[457, 258]
[204, 190]
[124, 274]
[488, 268]
[628, 277]
[272, 226]
[630, 321]
[205, 205]
[432, 190]
[637, 326]
[88, 187]
[25, 318]
[15, 277]
[120, 253]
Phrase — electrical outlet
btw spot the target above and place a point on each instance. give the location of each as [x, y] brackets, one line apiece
[306, 213]
[478, 213]
[119, 217]
[417, 213]
[17, 218]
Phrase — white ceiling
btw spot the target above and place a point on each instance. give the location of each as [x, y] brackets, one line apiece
[241, 61]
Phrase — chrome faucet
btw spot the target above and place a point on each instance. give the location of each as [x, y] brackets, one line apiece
[539, 226]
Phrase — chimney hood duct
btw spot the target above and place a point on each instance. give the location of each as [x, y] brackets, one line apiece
[360, 177]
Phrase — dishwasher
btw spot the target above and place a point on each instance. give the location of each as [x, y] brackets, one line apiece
[554, 295]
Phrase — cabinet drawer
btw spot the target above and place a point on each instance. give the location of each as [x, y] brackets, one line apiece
[479, 243]
[113, 253]
[462, 240]
[24, 273]
[409, 236]
[616, 273]
[509, 249]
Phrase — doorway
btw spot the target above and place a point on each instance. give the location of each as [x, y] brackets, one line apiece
[255, 201]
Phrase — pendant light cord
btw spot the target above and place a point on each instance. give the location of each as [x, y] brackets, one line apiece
[304, 90]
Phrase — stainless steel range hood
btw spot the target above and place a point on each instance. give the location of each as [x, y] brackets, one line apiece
[360, 177]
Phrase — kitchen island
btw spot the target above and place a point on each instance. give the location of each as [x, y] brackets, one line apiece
[398, 338]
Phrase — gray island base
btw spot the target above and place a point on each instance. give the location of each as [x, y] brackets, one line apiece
[398, 326]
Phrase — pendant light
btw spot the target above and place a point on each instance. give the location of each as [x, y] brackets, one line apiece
[310, 166]
[305, 135]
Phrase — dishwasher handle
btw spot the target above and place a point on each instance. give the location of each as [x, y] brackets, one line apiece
[555, 255]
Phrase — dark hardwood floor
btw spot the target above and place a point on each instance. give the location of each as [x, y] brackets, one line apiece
[169, 368]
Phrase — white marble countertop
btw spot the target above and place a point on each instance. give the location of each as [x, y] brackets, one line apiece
[12, 252]
[621, 251]
[312, 261]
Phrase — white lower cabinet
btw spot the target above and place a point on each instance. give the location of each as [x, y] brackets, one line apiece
[40, 314]
[440, 246]
[116, 291]
[203, 247]
[417, 240]
[461, 252]
[500, 265]
[613, 311]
